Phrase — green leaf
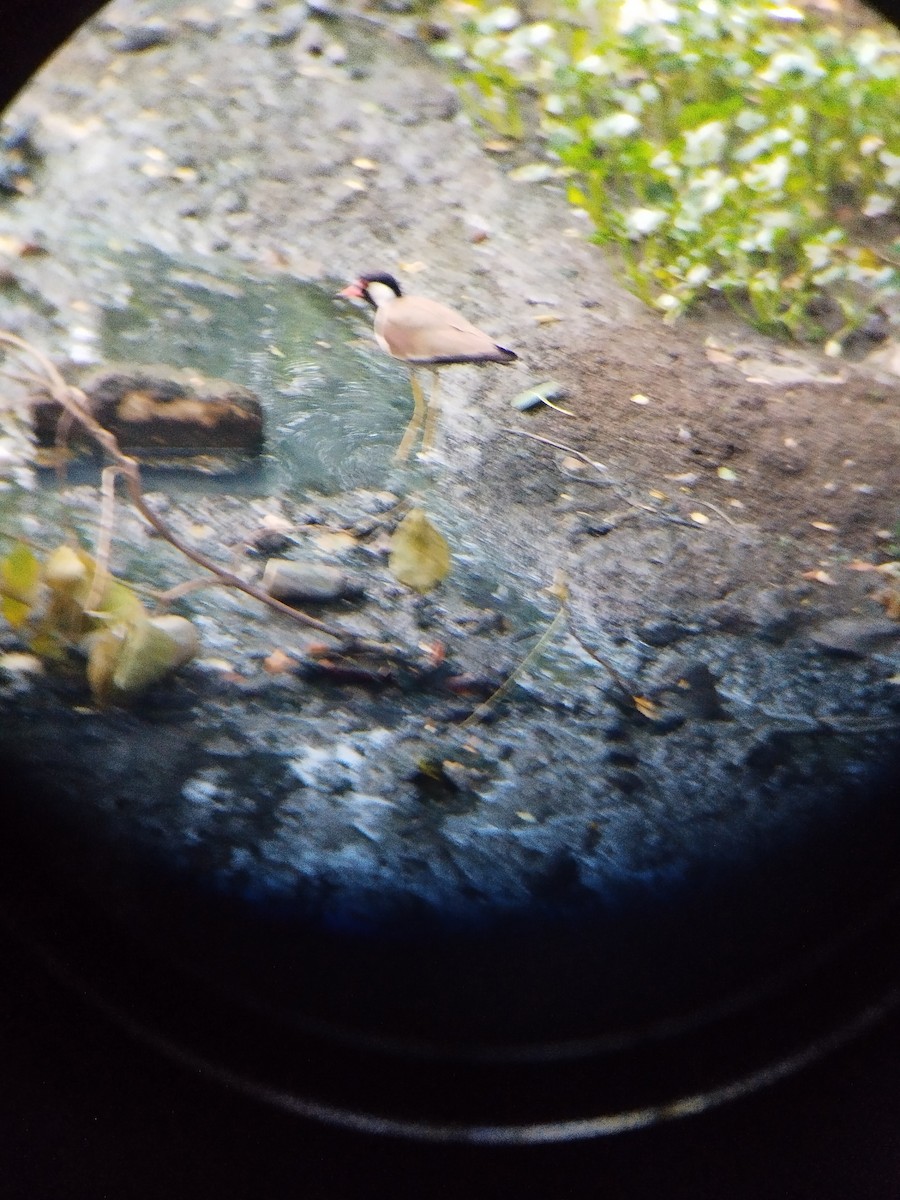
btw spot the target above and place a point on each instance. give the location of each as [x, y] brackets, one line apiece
[420, 555]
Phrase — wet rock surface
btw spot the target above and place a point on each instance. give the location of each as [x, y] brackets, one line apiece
[154, 413]
[563, 841]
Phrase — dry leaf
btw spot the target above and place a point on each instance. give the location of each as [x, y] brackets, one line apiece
[279, 663]
[559, 588]
[859, 565]
[818, 577]
[647, 708]
[640, 398]
[534, 172]
[700, 518]
[824, 526]
[420, 556]
[334, 541]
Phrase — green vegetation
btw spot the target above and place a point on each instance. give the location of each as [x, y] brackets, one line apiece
[746, 150]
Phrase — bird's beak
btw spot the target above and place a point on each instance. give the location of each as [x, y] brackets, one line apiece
[352, 292]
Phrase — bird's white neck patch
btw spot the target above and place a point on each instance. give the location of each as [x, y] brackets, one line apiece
[380, 293]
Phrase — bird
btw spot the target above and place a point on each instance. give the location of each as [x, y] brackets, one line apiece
[422, 332]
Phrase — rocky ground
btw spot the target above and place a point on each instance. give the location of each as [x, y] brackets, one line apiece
[717, 503]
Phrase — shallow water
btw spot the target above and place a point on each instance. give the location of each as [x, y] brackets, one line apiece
[334, 407]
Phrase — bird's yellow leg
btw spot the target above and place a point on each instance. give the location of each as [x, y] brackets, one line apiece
[401, 454]
[432, 414]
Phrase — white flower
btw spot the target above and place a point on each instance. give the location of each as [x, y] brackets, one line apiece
[516, 57]
[593, 64]
[749, 119]
[667, 302]
[554, 104]
[506, 17]
[664, 162]
[641, 221]
[877, 205]
[704, 144]
[763, 237]
[818, 250]
[801, 61]
[541, 34]
[785, 13]
[892, 162]
[636, 13]
[867, 48]
[869, 144]
[698, 274]
[618, 125]
[767, 176]
[753, 148]
[799, 147]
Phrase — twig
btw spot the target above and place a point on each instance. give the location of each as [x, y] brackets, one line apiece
[103, 547]
[487, 705]
[74, 403]
[671, 518]
[624, 687]
[556, 445]
[718, 512]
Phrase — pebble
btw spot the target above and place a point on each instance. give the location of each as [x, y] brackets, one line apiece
[661, 633]
[143, 37]
[288, 24]
[855, 636]
[310, 582]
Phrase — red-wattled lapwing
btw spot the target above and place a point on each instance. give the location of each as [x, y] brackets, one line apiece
[423, 333]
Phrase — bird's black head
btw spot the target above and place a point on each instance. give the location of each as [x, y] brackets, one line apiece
[359, 291]
[388, 281]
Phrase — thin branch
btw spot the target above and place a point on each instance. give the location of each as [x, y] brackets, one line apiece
[486, 705]
[627, 690]
[103, 547]
[670, 518]
[556, 445]
[74, 403]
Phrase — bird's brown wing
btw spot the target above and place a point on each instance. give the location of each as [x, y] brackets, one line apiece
[422, 331]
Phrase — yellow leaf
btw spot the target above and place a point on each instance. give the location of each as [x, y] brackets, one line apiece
[20, 574]
[15, 611]
[420, 556]
[150, 651]
[647, 708]
[103, 650]
[65, 570]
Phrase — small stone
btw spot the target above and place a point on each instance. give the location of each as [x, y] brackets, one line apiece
[661, 633]
[855, 636]
[143, 37]
[308, 582]
[199, 20]
[19, 663]
[288, 24]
